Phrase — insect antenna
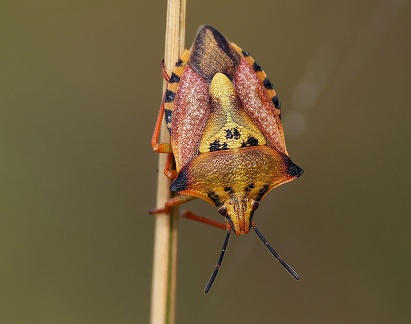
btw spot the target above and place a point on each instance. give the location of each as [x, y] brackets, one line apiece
[218, 265]
[274, 253]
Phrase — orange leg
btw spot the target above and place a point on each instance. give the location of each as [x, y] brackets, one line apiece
[163, 147]
[175, 201]
[171, 174]
[181, 199]
[159, 147]
[190, 215]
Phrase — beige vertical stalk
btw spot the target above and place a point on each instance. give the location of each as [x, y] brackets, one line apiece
[163, 291]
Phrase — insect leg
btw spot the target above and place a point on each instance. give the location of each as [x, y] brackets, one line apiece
[168, 171]
[175, 201]
[159, 147]
[190, 215]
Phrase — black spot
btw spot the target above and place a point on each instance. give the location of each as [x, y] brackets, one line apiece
[251, 141]
[237, 134]
[267, 84]
[245, 53]
[262, 191]
[179, 62]
[249, 187]
[169, 96]
[229, 190]
[276, 102]
[174, 78]
[256, 67]
[215, 198]
[234, 133]
[216, 146]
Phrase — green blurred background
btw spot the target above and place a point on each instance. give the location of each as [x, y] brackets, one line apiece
[80, 87]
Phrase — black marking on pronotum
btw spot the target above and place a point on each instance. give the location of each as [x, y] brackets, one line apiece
[245, 53]
[249, 187]
[267, 84]
[215, 198]
[294, 170]
[180, 183]
[262, 191]
[169, 96]
[229, 190]
[174, 78]
[256, 67]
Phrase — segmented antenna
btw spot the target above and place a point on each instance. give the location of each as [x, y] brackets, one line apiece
[274, 253]
[218, 265]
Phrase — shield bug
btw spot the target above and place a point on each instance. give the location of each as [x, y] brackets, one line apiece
[227, 139]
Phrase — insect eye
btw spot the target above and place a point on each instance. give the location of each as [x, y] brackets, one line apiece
[223, 210]
[255, 205]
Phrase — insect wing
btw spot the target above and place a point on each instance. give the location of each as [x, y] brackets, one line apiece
[191, 110]
[211, 53]
[259, 106]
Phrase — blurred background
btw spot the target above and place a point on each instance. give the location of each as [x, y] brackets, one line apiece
[80, 87]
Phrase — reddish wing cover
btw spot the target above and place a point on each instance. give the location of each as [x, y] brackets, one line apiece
[191, 110]
[259, 106]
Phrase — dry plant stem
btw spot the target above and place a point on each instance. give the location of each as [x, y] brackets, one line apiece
[165, 237]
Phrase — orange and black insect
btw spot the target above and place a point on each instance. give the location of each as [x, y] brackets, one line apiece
[227, 139]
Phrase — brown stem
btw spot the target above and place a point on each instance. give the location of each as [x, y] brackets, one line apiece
[163, 289]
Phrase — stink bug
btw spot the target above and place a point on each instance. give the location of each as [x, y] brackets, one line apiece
[227, 139]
